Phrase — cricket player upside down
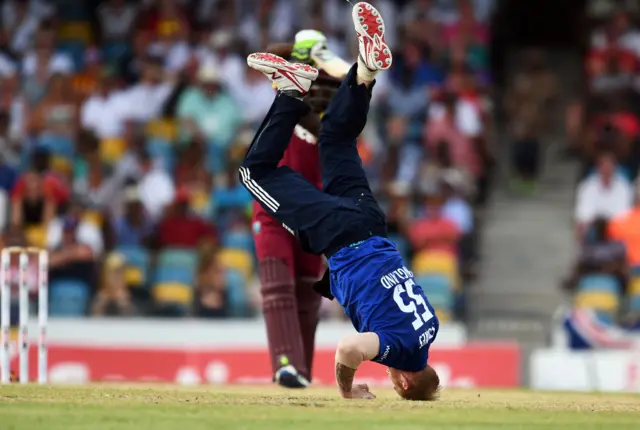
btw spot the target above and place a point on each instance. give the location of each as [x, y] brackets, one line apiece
[290, 307]
[396, 325]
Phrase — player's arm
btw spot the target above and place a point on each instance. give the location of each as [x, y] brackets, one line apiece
[352, 351]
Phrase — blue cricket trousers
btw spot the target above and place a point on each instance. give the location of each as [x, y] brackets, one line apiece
[344, 211]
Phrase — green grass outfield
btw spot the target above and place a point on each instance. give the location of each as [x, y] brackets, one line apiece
[102, 407]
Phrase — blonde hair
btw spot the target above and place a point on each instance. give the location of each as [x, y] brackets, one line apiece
[424, 386]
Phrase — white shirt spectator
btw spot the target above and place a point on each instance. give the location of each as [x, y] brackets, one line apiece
[58, 63]
[467, 117]
[23, 30]
[254, 97]
[104, 115]
[144, 102]
[156, 191]
[116, 22]
[595, 200]
[87, 233]
[230, 67]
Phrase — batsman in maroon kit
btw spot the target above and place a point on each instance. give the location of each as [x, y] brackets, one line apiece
[291, 308]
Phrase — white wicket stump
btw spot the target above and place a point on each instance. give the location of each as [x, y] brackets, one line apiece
[23, 310]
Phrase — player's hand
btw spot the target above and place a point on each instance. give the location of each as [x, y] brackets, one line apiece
[360, 391]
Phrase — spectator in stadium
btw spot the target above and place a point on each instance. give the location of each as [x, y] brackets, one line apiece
[191, 173]
[600, 254]
[208, 110]
[74, 228]
[43, 61]
[102, 111]
[113, 298]
[180, 228]
[254, 96]
[211, 288]
[130, 65]
[525, 150]
[408, 100]
[604, 194]
[33, 205]
[146, 99]
[21, 19]
[54, 186]
[116, 19]
[443, 127]
[432, 230]
[219, 52]
[99, 188]
[133, 228]
[85, 82]
[71, 251]
[157, 189]
[57, 113]
[624, 228]
[455, 207]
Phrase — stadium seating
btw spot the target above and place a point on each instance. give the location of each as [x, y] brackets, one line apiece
[162, 129]
[238, 239]
[237, 259]
[173, 293]
[600, 293]
[236, 293]
[174, 280]
[137, 266]
[68, 298]
[436, 262]
[634, 294]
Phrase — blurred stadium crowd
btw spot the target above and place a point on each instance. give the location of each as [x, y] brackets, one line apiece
[603, 129]
[122, 124]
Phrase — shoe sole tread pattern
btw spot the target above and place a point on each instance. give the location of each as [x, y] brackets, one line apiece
[370, 28]
[270, 63]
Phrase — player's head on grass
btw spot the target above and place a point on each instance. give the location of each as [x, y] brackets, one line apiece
[422, 385]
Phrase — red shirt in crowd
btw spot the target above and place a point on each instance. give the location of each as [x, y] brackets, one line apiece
[184, 231]
[434, 233]
[53, 187]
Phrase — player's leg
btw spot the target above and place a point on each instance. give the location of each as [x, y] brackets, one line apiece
[282, 192]
[276, 262]
[308, 270]
[272, 138]
[346, 116]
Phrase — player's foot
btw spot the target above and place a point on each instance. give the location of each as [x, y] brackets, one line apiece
[294, 78]
[288, 377]
[374, 53]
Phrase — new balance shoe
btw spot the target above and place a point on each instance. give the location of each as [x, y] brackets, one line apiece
[295, 78]
[374, 52]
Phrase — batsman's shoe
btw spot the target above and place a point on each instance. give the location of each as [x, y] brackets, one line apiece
[287, 77]
[374, 51]
[288, 377]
